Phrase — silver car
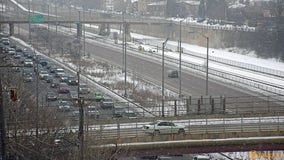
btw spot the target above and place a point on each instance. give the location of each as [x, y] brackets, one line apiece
[64, 106]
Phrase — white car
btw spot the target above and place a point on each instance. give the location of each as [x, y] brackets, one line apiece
[163, 127]
[28, 63]
[43, 74]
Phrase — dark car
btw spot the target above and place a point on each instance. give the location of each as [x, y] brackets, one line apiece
[51, 96]
[65, 106]
[107, 103]
[73, 94]
[63, 88]
[54, 84]
[48, 79]
[64, 78]
[72, 81]
[173, 73]
[84, 89]
[118, 112]
[43, 62]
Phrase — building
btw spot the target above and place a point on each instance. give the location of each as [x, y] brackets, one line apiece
[188, 8]
[142, 6]
[157, 8]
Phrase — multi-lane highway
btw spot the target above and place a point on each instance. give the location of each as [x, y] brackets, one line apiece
[150, 69]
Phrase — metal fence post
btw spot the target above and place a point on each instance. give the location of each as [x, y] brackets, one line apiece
[206, 124]
[189, 126]
[175, 105]
[198, 106]
[278, 127]
[136, 129]
[242, 123]
[212, 106]
[118, 130]
[187, 106]
[259, 123]
[224, 105]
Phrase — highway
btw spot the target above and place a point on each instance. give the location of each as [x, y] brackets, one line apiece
[150, 69]
[192, 83]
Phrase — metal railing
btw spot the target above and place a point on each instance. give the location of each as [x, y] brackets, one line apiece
[116, 129]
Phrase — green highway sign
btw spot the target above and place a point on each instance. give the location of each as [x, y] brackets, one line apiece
[38, 18]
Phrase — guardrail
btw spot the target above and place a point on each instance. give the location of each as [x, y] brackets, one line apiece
[117, 130]
[194, 126]
[238, 80]
[208, 105]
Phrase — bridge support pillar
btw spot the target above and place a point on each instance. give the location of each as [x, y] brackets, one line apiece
[11, 29]
[79, 30]
[104, 29]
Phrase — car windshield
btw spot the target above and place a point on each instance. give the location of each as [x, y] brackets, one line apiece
[153, 123]
[51, 93]
[65, 103]
[130, 114]
[108, 100]
[43, 72]
[92, 108]
[83, 86]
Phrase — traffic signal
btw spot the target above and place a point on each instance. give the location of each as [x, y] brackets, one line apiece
[13, 94]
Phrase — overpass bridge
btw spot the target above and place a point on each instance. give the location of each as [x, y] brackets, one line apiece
[126, 138]
[16, 13]
[209, 135]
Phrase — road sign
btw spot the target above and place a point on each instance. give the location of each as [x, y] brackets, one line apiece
[38, 18]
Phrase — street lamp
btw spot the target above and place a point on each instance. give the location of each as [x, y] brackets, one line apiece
[163, 77]
[29, 21]
[207, 60]
[180, 58]
[124, 59]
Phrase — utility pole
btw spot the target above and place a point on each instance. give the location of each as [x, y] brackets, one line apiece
[37, 101]
[2, 123]
[81, 122]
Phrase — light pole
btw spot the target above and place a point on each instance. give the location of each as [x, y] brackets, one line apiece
[37, 94]
[29, 21]
[163, 77]
[124, 53]
[125, 69]
[180, 58]
[56, 17]
[84, 33]
[207, 62]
